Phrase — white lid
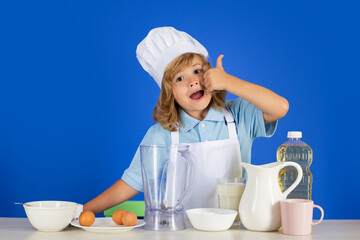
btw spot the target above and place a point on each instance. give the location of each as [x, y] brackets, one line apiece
[294, 134]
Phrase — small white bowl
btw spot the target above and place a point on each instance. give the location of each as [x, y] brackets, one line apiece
[50, 216]
[211, 219]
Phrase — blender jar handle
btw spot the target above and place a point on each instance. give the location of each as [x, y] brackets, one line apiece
[190, 178]
[298, 179]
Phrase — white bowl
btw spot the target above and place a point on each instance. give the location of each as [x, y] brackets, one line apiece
[50, 216]
[211, 219]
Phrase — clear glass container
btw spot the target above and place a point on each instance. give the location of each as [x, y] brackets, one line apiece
[167, 173]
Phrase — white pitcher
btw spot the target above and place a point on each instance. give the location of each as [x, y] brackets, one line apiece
[259, 207]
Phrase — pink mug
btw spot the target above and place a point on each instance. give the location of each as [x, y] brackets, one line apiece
[297, 216]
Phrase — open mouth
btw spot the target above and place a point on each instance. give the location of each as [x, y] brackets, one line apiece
[197, 95]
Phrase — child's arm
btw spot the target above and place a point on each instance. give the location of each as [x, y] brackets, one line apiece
[118, 193]
[272, 105]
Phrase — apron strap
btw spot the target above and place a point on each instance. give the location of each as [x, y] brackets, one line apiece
[175, 137]
[232, 135]
[231, 124]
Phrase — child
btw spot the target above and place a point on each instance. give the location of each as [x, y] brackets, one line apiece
[192, 109]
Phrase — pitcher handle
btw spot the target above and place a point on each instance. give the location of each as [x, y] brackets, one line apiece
[298, 179]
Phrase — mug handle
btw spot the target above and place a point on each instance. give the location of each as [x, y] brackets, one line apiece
[322, 215]
[298, 179]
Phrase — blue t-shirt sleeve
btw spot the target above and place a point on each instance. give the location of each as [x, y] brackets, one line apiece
[249, 119]
[132, 175]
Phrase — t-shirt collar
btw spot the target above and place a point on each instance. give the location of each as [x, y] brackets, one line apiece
[189, 122]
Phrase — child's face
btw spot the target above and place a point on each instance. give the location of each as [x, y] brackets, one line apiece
[189, 91]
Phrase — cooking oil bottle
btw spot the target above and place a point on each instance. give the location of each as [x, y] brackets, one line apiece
[295, 150]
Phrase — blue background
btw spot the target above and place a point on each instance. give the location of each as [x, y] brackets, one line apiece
[75, 103]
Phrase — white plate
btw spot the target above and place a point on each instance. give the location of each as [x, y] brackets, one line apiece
[106, 225]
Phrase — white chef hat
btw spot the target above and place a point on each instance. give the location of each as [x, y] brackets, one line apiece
[161, 46]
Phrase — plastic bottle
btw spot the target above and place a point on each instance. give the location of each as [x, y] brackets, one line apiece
[295, 150]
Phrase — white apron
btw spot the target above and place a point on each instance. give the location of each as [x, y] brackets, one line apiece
[213, 159]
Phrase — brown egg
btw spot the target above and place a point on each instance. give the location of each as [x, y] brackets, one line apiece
[87, 218]
[129, 219]
[117, 216]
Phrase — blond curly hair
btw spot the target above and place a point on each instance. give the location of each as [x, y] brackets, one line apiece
[167, 110]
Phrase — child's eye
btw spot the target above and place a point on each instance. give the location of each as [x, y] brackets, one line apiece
[179, 79]
[197, 71]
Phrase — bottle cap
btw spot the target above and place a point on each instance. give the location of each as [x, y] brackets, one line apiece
[294, 134]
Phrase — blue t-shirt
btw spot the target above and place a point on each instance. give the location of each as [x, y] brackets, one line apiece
[249, 123]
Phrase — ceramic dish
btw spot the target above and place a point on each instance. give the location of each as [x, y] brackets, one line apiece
[211, 219]
[50, 216]
[106, 225]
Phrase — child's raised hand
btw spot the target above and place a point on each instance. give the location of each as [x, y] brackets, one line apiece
[215, 78]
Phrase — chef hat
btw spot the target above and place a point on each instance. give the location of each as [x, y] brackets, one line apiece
[161, 46]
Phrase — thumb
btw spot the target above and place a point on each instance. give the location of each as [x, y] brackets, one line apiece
[219, 61]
